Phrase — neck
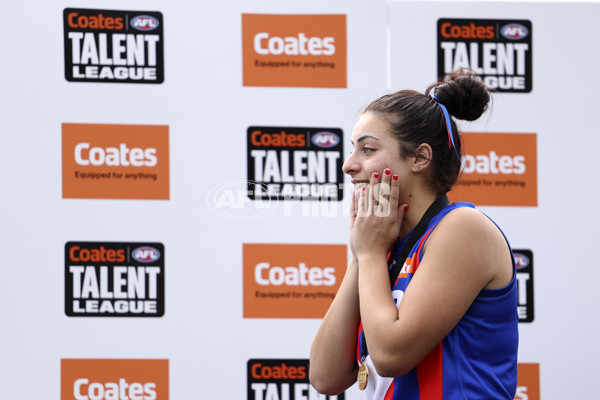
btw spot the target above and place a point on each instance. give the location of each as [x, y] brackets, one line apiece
[417, 206]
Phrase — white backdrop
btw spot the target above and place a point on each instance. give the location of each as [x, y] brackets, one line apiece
[203, 334]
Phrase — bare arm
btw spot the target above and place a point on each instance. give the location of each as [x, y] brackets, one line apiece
[465, 254]
[333, 364]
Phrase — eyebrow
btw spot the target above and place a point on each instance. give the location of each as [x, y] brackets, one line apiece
[363, 138]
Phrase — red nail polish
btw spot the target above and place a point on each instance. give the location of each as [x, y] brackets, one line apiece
[387, 171]
[364, 188]
[375, 175]
[395, 177]
[405, 208]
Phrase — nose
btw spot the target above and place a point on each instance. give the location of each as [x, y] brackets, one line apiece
[351, 166]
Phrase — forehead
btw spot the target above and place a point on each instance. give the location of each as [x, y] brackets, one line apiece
[371, 126]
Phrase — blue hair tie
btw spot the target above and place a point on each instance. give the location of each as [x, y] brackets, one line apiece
[448, 123]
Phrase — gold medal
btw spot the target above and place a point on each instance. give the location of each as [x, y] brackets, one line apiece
[363, 376]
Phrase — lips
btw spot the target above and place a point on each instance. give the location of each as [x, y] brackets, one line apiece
[358, 185]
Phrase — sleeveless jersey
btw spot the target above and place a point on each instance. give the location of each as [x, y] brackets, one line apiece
[476, 360]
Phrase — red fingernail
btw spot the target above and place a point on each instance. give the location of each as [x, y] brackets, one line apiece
[375, 175]
[364, 188]
[405, 208]
[387, 171]
[395, 177]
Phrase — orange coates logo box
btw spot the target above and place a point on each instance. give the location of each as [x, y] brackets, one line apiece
[528, 381]
[133, 379]
[294, 50]
[291, 280]
[109, 161]
[499, 169]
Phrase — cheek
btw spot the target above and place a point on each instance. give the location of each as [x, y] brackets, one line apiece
[378, 166]
[401, 168]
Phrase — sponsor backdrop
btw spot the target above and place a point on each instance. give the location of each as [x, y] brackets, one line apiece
[174, 217]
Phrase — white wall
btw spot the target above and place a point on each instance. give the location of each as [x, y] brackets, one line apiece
[203, 333]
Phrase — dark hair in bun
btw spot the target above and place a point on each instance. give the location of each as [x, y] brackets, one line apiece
[415, 118]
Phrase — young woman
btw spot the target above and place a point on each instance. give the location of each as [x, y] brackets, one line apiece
[428, 306]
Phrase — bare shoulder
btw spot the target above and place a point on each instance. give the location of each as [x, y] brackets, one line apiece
[470, 237]
[467, 224]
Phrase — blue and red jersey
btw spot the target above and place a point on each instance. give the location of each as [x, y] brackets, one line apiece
[476, 360]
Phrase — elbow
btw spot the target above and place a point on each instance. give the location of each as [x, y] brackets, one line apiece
[330, 381]
[392, 366]
[323, 385]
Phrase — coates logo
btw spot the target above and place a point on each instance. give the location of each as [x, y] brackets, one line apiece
[145, 254]
[93, 21]
[105, 161]
[282, 379]
[291, 280]
[114, 379]
[294, 50]
[528, 381]
[101, 280]
[514, 31]
[499, 51]
[521, 260]
[113, 46]
[499, 169]
[325, 140]
[525, 284]
[283, 162]
[144, 23]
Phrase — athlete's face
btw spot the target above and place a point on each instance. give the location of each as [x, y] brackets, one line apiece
[375, 149]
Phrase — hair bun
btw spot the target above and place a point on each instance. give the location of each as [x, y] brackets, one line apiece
[463, 93]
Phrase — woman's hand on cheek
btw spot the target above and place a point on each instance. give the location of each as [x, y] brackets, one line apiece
[378, 215]
[353, 208]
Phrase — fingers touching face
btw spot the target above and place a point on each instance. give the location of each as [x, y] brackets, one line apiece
[381, 196]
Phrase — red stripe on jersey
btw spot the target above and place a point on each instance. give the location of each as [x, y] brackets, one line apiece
[389, 395]
[430, 375]
[358, 356]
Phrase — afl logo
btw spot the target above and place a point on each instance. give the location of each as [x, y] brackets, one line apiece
[521, 260]
[144, 23]
[145, 254]
[325, 139]
[514, 31]
[232, 200]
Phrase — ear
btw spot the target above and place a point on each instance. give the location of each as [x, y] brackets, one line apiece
[422, 158]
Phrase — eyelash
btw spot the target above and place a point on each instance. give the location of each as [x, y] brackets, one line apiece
[364, 150]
